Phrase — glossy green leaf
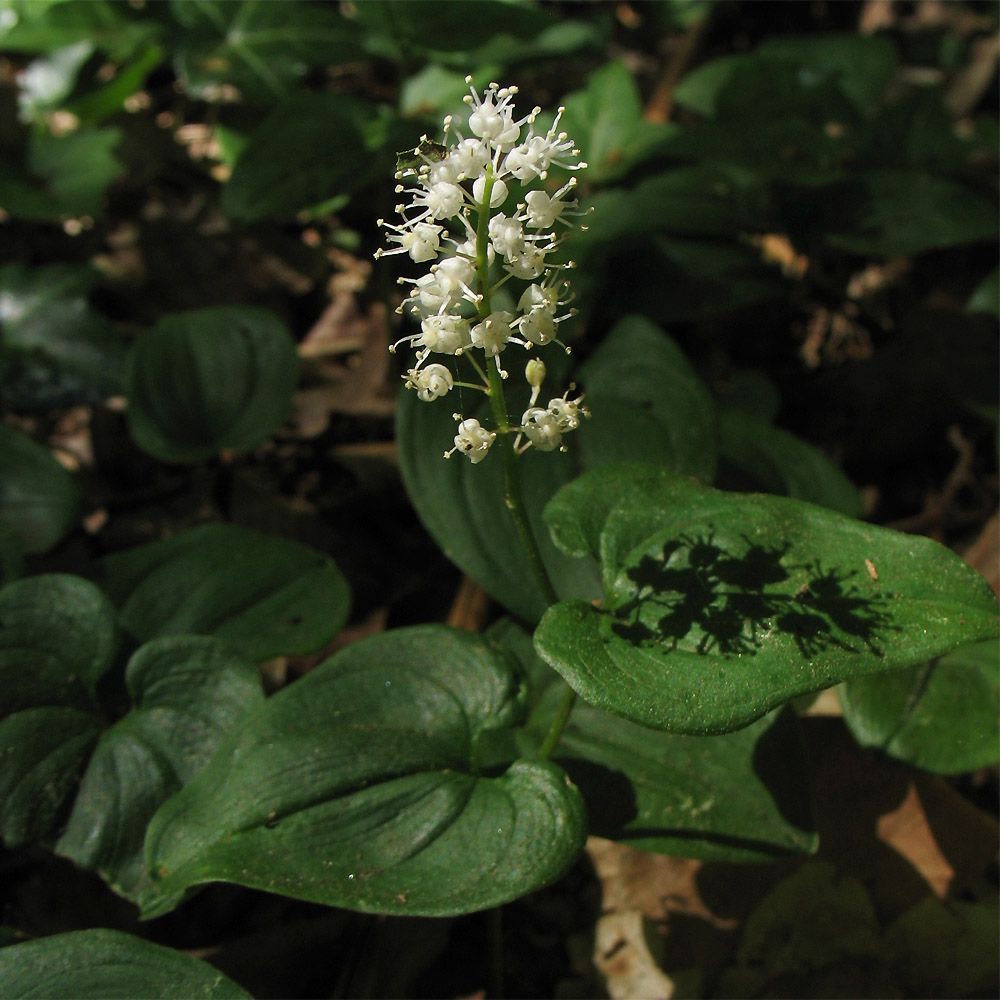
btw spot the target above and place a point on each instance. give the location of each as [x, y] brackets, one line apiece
[734, 797]
[103, 964]
[649, 402]
[751, 392]
[884, 223]
[57, 638]
[11, 554]
[780, 462]
[325, 153]
[699, 89]
[210, 379]
[737, 797]
[362, 785]
[262, 49]
[721, 606]
[39, 499]
[54, 349]
[266, 596]
[702, 201]
[917, 132]
[940, 716]
[187, 693]
[43, 752]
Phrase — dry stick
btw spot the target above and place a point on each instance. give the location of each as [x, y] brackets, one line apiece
[661, 101]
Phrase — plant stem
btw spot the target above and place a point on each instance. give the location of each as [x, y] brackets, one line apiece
[512, 490]
[512, 482]
[558, 723]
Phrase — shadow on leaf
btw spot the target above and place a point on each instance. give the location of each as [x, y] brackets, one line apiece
[695, 595]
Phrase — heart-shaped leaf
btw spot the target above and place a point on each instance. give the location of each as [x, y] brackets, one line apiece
[39, 499]
[721, 606]
[362, 786]
[187, 693]
[57, 637]
[107, 965]
[736, 797]
[43, 752]
[210, 379]
[939, 715]
[265, 596]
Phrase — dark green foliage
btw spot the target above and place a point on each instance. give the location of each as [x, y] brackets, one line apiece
[787, 284]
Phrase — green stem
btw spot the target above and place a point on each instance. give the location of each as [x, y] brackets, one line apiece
[512, 482]
[512, 490]
[558, 723]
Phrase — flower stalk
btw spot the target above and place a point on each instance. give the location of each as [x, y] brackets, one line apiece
[479, 214]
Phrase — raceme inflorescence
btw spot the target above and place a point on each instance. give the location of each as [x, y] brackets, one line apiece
[478, 214]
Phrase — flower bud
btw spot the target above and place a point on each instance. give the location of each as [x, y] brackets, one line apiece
[534, 372]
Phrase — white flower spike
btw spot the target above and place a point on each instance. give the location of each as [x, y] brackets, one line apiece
[475, 210]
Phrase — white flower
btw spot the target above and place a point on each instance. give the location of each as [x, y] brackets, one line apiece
[541, 428]
[455, 276]
[506, 236]
[452, 218]
[431, 382]
[472, 440]
[442, 200]
[492, 334]
[422, 242]
[492, 118]
[528, 264]
[537, 153]
[470, 158]
[427, 291]
[537, 326]
[567, 412]
[539, 297]
[444, 334]
[498, 193]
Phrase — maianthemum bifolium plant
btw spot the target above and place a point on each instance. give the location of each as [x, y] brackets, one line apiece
[466, 184]
[662, 626]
